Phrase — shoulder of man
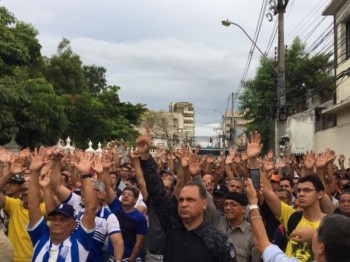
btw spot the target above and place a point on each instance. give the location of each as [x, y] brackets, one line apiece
[214, 239]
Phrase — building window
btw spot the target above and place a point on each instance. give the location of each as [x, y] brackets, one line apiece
[347, 39]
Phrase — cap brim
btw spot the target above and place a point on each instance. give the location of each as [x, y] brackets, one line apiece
[59, 212]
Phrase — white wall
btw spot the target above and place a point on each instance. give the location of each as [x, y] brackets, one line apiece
[301, 129]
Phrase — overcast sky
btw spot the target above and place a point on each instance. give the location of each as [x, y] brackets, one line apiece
[160, 51]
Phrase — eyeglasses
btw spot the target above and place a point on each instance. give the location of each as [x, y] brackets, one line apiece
[231, 204]
[305, 190]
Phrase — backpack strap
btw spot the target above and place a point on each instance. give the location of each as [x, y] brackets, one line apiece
[293, 221]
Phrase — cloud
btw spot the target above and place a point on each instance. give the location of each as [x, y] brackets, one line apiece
[162, 51]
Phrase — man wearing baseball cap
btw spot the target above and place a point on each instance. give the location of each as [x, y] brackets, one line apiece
[63, 240]
[13, 186]
[234, 225]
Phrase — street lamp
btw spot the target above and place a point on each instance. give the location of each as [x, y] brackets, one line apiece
[228, 23]
[281, 116]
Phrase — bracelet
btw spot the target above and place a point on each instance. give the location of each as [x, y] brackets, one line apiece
[86, 176]
[256, 217]
[251, 207]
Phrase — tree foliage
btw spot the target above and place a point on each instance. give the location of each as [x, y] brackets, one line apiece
[160, 123]
[43, 99]
[64, 70]
[305, 75]
[18, 43]
[95, 79]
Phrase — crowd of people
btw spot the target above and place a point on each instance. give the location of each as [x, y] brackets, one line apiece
[173, 206]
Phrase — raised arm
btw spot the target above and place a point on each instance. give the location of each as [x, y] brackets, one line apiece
[259, 232]
[44, 181]
[163, 204]
[253, 150]
[5, 158]
[139, 176]
[90, 195]
[56, 185]
[34, 210]
[107, 164]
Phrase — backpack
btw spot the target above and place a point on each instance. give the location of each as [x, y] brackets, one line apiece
[293, 221]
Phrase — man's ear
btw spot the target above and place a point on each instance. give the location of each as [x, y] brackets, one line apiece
[320, 250]
[321, 194]
[205, 204]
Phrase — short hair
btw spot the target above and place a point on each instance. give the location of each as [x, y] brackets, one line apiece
[315, 180]
[238, 179]
[288, 179]
[133, 189]
[281, 189]
[132, 180]
[113, 173]
[99, 185]
[125, 165]
[334, 233]
[201, 188]
[344, 192]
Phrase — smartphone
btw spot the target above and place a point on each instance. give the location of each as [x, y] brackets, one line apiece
[254, 174]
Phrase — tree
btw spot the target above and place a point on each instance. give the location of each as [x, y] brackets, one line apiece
[18, 43]
[160, 124]
[305, 75]
[64, 71]
[95, 79]
[43, 99]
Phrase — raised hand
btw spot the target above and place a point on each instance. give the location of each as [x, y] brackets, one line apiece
[185, 156]
[84, 164]
[6, 156]
[291, 159]
[341, 159]
[16, 165]
[309, 159]
[268, 163]
[254, 145]
[45, 175]
[107, 160]
[143, 143]
[194, 165]
[230, 157]
[38, 161]
[321, 160]
[97, 165]
[282, 162]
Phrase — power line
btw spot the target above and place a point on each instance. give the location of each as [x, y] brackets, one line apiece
[256, 36]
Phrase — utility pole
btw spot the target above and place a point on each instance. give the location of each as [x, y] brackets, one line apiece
[232, 129]
[281, 75]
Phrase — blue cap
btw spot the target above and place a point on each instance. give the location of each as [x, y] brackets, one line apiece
[63, 209]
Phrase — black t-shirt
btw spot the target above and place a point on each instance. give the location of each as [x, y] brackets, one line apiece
[271, 222]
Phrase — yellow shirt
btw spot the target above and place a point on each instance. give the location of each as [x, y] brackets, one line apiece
[302, 251]
[17, 232]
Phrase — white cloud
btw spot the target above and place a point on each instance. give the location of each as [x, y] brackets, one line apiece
[161, 51]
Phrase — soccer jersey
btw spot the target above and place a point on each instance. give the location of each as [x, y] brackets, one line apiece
[131, 224]
[17, 233]
[106, 224]
[73, 249]
[303, 250]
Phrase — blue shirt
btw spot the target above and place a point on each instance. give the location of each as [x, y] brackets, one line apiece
[74, 248]
[274, 254]
[106, 224]
[131, 224]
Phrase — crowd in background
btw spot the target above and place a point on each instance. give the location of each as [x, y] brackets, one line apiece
[172, 206]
